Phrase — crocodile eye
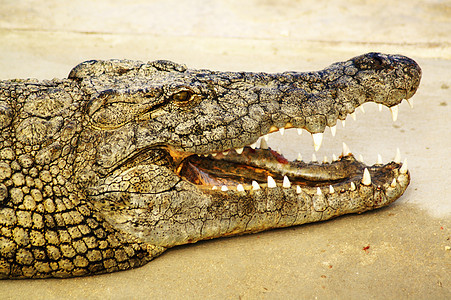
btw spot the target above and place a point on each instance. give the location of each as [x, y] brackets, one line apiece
[182, 98]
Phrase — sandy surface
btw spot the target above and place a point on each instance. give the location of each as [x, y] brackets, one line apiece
[406, 256]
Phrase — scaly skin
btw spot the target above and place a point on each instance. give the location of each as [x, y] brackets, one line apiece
[105, 170]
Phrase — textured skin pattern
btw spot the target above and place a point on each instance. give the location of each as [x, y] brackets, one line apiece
[88, 164]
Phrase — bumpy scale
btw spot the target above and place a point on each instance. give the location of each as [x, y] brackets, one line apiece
[105, 170]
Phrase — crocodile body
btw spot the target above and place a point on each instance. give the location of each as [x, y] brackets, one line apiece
[106, 169]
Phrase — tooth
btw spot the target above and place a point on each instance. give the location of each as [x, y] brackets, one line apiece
[379, 106]
[325, 161]
[394, 113]
[352, 186]
[286, 182]
[239, 150]
[334, 157]
[333, 130]
[273, 129]
[299, 157]
[397, 158]
[366, 179]
[224, 188]
[353, 116]
[266, 137]
[225, 152]
[214, 187]
[346, 150]
[360, 158]
[403, 169]
[298, 189]
[263, 144]
[240, 188]
[410, 103]
[343, 122]
[361, 108]
[255, 185]
[331, 189]
[214, 154]
[393, 183]
[254, 145]
[282, 130]
[299, 131]
[379, 159]
[271, 182]
[314, 159]
[317, 140]
[318, 191]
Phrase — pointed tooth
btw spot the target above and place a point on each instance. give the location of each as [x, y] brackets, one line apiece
[266, 137]
[225, 152]
[317, 140]
[403, 169]
[239, 150]
[286, 182]
[318, 191]
[224, 188]
[214, 187]
[361, 108]
[314, 159]
[360, 158]
[397, 158]
[394, 113]
[254, 145]
[255, 185]
[282, 130]
[271, 182]
[278, 150]
[343, 123]
[379, 159]
[379, 106]
[352, 186]
[393, 183]
[325, 160]
[298, 189]
[240, 188]
[334, 157]
[346, 150]
[299, 157]
[353, 116]
[331, 189]
[263, 144]
[366, 179]
[333, 130]
[273, 129]
[410, 103]
[299, 131]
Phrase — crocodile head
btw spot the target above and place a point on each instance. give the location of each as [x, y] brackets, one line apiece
[201, 129]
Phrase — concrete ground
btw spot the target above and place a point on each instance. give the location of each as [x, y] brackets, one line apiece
[395, 252]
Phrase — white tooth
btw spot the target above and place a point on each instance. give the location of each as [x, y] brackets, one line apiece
[325, 161]
[397, 158]
[318, 191]
[255, 185]
[360, 158]
[394, 113]
[214, 187]
[317, 140]
[379, 159]
[403, 169]
[343, 123]
[278, 150]
[225, 152]
[299, 157]
[254, 145]
[346, 150]
[333, 130]
[240, 188]
[331, 189]
[263, 144]
[334, 157]
[393, 183]
[239, 150]
[266, 137]
[224, 188]
[366, 180]
[299, 131]
[286, 182]
[298, 189]
[314, 157]
[410, 103]
[352, 186]
[353, 116]
[271, 182]
[361, 108]
[282, 130]
[214, 154]
[379, 106]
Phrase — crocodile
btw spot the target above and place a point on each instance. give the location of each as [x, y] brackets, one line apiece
[105, 170]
